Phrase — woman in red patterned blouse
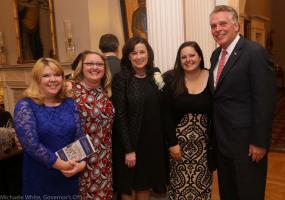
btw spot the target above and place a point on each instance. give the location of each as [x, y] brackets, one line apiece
[91, 89]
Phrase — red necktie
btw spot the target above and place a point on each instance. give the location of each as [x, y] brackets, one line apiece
[221, 65]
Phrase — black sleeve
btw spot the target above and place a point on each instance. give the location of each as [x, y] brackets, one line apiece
[121, 116]
[168, 113]
[263, 92]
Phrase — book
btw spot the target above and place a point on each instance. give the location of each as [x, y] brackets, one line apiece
[79, 149]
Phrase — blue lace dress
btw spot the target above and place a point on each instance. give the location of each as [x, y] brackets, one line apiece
[42, 130]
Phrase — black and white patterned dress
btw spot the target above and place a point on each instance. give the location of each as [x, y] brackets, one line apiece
[190, 177]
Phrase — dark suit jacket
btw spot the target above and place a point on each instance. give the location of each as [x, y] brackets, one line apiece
[243, 100]
[114, 64]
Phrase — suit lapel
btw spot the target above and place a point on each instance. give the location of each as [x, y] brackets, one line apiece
[153, 84]
[214, 60]
[231, 61]
[150, 77]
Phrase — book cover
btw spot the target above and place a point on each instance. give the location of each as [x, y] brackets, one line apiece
[78, 150]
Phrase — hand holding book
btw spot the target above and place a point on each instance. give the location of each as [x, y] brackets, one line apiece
[78, 150]
[77, 167]
[71, 157]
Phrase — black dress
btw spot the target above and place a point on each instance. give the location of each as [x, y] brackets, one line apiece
[141, 96]
[190, 177]
[149, 170]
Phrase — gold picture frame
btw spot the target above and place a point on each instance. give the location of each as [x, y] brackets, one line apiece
[35, 30]
[134, 18]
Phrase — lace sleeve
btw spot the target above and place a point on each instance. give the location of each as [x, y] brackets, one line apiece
[79, 131]
[26, 129]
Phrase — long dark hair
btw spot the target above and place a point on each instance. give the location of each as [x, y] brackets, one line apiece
[126, 65]
[178, 84]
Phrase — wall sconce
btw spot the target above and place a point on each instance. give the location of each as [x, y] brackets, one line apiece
[69, 42]
[3, 53]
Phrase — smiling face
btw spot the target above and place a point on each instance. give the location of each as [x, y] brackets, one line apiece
[190, 59]
[224, 29]
[93, 68]
[50, 82]
[139, 58]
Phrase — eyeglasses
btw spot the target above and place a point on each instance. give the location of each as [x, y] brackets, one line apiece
[91, 64]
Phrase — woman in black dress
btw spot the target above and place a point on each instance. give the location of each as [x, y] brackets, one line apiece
[189, 102]
[138, 148]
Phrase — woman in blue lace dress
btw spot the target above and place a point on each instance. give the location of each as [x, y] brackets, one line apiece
[46, 121]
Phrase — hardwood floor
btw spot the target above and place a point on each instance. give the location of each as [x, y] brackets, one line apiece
[275, 188]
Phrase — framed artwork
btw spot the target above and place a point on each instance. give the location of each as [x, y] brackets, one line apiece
[134, 18]
[247, 29]
[35, 29]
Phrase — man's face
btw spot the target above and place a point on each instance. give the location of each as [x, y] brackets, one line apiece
[223, 29]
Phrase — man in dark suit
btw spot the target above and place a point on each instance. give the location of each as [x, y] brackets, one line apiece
[243, 85]
[109, 45]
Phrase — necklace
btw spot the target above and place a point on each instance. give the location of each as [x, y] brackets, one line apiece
[142, 75]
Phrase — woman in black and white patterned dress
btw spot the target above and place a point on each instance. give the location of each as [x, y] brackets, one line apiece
[188, 98]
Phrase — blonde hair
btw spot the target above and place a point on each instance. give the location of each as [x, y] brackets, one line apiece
[33, 91]
[78, 74]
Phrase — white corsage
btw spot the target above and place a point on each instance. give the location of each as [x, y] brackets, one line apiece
[158, 80]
